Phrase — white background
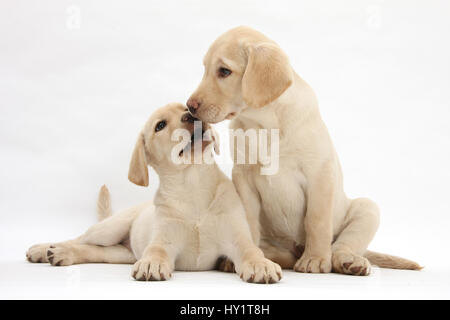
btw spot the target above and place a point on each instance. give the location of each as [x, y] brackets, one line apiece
[75, 93]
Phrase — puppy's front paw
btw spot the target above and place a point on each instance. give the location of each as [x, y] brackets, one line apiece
[261, 271]
[38, 253]
[349, 263]
[149, 269]
[313, 264]
[61, 255]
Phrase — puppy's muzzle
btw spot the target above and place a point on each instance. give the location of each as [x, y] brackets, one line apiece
[187, 117]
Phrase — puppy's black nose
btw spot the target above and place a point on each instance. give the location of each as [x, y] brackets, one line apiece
[187, 117]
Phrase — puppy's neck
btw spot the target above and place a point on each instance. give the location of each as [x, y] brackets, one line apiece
[189, 180]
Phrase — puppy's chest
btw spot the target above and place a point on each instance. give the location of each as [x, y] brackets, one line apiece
[283, 201]
[202, 248]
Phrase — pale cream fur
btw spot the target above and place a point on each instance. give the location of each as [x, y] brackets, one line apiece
[304, 204]
[196, 217]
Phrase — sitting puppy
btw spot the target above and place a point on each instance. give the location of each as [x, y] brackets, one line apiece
[196, 216]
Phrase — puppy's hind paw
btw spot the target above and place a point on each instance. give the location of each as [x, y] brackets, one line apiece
[38, 253]
[349, 263]
[60, 255]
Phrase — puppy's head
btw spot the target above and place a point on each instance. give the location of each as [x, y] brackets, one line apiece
[159, 145]
[243, 68]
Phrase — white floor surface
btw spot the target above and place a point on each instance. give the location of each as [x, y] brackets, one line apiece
[23, 280]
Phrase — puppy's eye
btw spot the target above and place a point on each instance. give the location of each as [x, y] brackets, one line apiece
[160, 125]
[224, 72]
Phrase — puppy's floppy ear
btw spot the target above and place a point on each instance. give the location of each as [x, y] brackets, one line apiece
[138, 171]
[267, 76]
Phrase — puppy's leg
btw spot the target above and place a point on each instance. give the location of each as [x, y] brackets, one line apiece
[250, 263]
[361, 224]
[249, 260]
[108, 232]
[111, 231]
[252, 206]
[284, 257]
[318, 222]
[65, 254]
[169, 236]
[156, 264]
[235, 237]
[250, 200]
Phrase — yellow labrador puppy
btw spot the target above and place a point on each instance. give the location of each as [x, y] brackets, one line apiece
[299, 216]
[196, 216]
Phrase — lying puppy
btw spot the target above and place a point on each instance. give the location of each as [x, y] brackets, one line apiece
[196, 216]
[249, 80]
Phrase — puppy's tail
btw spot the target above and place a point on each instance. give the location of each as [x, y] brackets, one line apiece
[103, 204]
[392, 262]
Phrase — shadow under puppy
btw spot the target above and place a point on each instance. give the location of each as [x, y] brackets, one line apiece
[196, 216]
